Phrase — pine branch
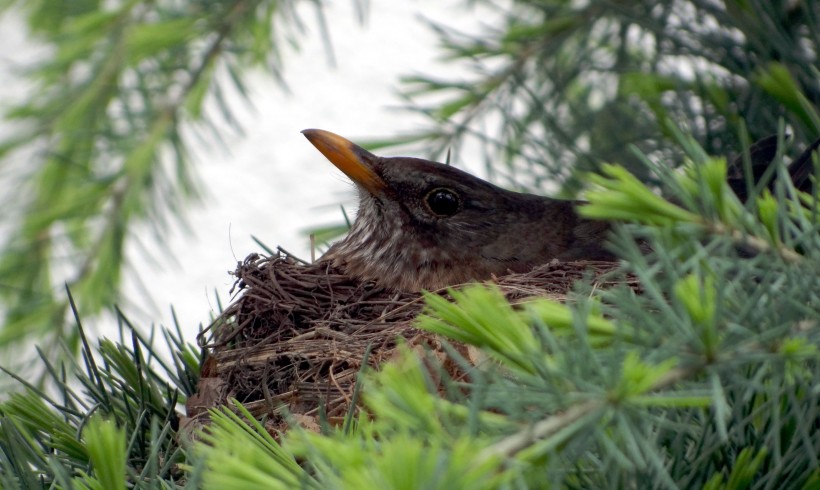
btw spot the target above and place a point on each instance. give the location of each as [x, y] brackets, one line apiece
[122, 83]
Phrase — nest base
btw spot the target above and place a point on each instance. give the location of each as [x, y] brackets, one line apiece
[298, 334]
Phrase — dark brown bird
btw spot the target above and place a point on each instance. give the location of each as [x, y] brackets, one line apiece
[426, 225]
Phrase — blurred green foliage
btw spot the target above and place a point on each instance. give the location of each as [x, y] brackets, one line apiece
[101, 144]
[558, 87]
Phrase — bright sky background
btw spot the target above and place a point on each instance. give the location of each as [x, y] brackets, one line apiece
[272, 183]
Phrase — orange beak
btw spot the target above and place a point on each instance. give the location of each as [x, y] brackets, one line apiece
[348, 157]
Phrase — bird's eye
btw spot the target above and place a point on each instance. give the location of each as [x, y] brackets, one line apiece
[443, 202]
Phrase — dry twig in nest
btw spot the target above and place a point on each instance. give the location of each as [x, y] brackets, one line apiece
[298, 334]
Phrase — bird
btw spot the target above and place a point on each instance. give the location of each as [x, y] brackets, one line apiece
[423, 225]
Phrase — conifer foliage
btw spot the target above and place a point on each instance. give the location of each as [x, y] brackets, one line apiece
[706, 379]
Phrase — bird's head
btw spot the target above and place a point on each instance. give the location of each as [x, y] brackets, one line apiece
[419, 220]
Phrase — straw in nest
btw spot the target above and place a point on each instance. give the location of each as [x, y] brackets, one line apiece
[298, 334]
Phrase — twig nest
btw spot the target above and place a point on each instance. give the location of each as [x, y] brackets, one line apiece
[296, 336]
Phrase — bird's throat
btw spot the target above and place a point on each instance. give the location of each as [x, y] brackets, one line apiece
[380, 250]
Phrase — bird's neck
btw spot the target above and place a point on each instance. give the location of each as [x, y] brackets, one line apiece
[377, 249]
[362, 253]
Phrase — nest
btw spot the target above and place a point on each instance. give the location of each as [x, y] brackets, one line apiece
[296, 337]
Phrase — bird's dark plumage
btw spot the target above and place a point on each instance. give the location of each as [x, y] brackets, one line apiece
[761, 154]
[426, 225]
